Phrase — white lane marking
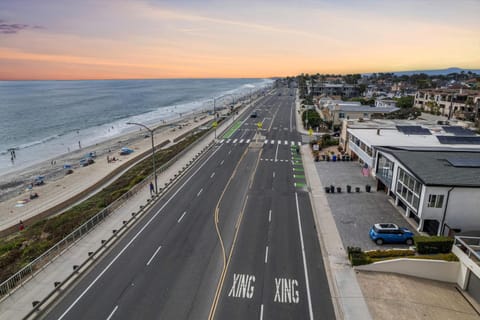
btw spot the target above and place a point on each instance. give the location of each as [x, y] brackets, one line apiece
[183, 215]
[270, 216]
[199, 192]
[286, 142]
[134, 238]
[111, 313]
[276, 153]
[261, 312]
[248, 140]
[235, 141]
[153, 256]
[223, 161]
[212, 175]
[273, 174]
[241, 141]
[307, 284]
[266, 255]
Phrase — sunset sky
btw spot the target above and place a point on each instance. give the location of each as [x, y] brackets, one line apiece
[107, 39]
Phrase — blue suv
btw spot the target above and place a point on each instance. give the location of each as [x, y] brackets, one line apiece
[390, 233]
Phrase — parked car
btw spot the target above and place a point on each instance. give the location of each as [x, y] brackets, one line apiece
[253, 115]
[390, 233]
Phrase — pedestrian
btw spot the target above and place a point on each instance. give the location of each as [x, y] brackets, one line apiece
[14, 155]
[108, 159]
[79, 145]
[21, 226]
[151, 188]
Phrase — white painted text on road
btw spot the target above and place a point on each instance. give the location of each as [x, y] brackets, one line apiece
[243, 286]
[286, 291]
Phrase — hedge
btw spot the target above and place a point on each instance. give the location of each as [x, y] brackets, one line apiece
[435, 244]
[377, 254]
[357, 257]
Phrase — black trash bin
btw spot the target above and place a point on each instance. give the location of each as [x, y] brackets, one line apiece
[349, 188]
[339, 189]
[357, 189]
[327, 189]
[332, 189]
[368, 188]
[317, 158]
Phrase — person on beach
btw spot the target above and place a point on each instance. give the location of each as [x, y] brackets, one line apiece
[151, 188]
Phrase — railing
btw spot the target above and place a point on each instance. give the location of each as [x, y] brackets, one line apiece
[48, 256]
[470, 246]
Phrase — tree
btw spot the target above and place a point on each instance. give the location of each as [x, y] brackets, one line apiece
[405, 102]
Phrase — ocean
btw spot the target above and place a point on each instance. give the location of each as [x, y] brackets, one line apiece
[44, 119]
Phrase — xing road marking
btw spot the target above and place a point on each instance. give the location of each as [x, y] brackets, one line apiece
[135, 237]
[243, 286]
[111, 313]
[212, 175]
[155, 253]
[266, 255]
[307, 284]
[183, 215]
[199, 192]
[286, 291]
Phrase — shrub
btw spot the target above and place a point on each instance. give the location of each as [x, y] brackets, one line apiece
[376, 254]
[357, 257]
[426, 245]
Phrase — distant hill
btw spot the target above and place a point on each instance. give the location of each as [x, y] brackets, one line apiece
[434, 72]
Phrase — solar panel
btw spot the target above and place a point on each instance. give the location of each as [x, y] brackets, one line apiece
[465, 162]
[459, 140]
[458, 131]
[413, 130]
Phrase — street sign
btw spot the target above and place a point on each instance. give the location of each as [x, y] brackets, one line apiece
[315, 147]
[310, 132]
[259, 125]
[215, 124]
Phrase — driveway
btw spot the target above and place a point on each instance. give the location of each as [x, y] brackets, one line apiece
[355, 213]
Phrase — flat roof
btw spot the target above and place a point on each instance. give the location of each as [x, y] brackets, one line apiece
[391, 137]
[436, 168]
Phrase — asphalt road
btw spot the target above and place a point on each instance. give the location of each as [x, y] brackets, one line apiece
[209, 235]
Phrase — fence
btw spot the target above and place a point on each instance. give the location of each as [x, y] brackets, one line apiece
[48, 256]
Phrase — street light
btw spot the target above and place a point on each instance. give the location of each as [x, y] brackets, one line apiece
[153, 151]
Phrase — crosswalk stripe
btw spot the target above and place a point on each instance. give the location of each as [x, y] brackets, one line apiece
[235, 141]
[292, 143]
[248, 140]
[286, 142]
[272, 142]
[221, 141]
[279, 141]
[241, 141]
[228, 141]
[299, 143]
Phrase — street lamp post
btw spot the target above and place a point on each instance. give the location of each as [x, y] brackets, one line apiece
[153, 151]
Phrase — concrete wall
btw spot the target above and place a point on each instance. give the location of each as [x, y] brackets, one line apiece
[463, 209]
[428, 269]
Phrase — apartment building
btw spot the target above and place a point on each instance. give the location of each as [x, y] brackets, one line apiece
[460, 104]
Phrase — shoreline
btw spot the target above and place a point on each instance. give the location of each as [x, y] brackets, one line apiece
[14, 183]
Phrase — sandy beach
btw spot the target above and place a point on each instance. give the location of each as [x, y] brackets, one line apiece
[15, 202]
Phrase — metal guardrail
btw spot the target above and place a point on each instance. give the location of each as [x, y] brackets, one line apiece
[30, 270]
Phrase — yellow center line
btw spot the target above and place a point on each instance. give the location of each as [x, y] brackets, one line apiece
[226, 263]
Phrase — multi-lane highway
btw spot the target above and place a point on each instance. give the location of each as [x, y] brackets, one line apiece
[234, 239]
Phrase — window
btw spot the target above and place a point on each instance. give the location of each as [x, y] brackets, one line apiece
[409, 188]
[341, 115]
[435, 201]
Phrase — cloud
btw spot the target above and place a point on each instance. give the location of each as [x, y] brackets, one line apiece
[12, 28]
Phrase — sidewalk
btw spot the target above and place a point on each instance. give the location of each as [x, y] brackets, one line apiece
[19, 303]
[347, 297]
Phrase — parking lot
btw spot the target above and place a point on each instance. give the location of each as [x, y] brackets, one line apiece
[355, 213]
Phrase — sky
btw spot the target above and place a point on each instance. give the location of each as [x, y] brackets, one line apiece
[126, 39]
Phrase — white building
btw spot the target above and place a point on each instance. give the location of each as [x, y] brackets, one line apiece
[438, 188]
[385, 103]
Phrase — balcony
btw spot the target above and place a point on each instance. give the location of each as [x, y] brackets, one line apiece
[467, 249]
